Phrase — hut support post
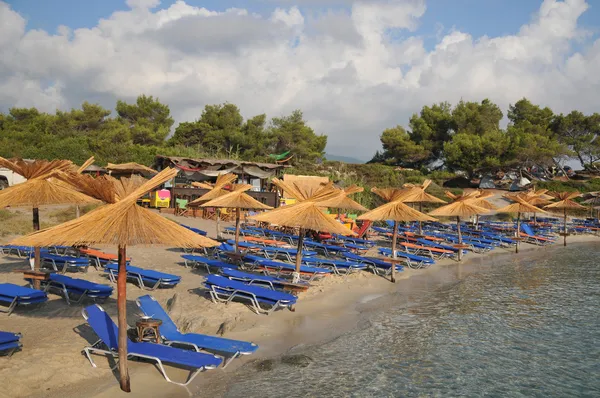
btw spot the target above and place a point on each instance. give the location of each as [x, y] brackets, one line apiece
[296, 274]
[237, 230]
[37, 251]
[459, 239]
[122, 314]
[517, 232]
[394, 239]
[565, 228]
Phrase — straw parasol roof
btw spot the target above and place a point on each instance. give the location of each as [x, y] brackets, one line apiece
[342, 201]
[300, 187]
[519, 206]
[130, 167]
[238, 198]
[36, 168]
[41, 191]
[565, 201]
[305, 215]
[390, 194]
[396, 211]
[217, 190]
[121, 223]
[459, 208]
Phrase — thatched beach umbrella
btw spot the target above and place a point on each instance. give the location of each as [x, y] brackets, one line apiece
[396, 211]
[418, 195]
[238, 199]
[592, 199]
[565, 202]
[461, 207]
[217, 190]
[122, 224]
[519, 206]
[40, 189]
[306, 215]
[391, 194]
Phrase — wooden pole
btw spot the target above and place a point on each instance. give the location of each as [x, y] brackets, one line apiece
[122, 311]
[77, 211]
[476, 222]
[565, 228]
[37, 251]
[296, 276]
[517, 232]
[394, 239]
[459, 238]
[420, 222]
[218, 212]
[237, 230]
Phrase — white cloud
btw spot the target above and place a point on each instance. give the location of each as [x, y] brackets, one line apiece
[341, 67]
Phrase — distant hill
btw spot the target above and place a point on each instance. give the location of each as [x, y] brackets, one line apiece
[345, 159]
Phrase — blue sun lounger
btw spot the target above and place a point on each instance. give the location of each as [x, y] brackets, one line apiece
[61, 263]
[287, 253]
[413, 261]
[14, 295]
[377, 266]
[9, 343]
[356, 241]
[325, 249]
[281, 268]
[69, 287]
[108, 333]
[227, 348]
[270, 282]
[193, 260]
[222, 289]
[143, 277]
[20, 251]
[339, 267]
[196, 230]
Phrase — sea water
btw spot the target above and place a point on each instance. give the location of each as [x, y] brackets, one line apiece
[511, 326]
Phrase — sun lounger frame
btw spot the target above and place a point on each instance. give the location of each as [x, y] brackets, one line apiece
[230, 294]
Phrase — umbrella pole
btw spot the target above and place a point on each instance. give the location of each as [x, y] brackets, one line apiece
[122, 313]
[565, 231]
[36, 250]
[218, 211]
[77, 211]
[459, 238]
[420, 222]
[517, 232]
[237, 230]
[394, 238]
[476, 222]
[296, 275]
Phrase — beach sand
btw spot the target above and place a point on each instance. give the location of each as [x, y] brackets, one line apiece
[51, 363]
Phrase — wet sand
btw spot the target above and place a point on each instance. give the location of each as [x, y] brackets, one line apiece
[51, 363]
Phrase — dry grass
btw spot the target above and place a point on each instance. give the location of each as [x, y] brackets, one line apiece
[69, 213]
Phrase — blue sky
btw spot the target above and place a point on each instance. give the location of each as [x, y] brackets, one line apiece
[477, 17]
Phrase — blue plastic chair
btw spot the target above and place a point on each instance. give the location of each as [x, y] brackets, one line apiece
[108, 333]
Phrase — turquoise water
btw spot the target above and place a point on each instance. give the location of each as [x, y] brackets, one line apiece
[526, 326]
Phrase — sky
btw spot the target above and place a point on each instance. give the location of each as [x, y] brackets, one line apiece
[353, 67]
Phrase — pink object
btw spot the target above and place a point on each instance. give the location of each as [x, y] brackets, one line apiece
[164, 194]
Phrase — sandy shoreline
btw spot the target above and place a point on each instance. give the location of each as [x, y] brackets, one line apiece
[51, 364]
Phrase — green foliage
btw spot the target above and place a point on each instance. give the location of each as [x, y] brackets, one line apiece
[468, 138]
[592, 185]
[139, 131]
[580, 133]
[469, 152]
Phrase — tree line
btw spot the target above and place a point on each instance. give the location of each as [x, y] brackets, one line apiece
[468, 137]
[139, 131]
